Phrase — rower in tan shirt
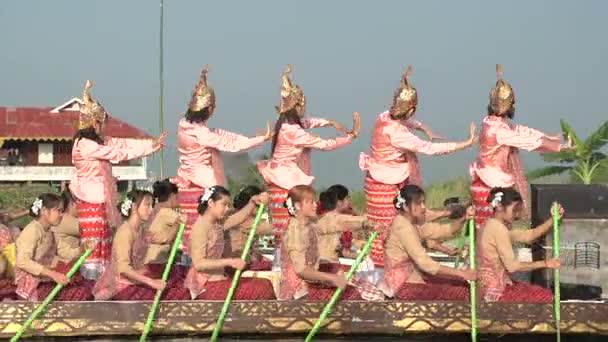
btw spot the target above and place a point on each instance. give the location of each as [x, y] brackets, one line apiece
[495, 256]
[161, 230]
[404, 255]
[206, 279]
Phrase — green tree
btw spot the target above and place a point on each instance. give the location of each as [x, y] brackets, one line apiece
[585, 163]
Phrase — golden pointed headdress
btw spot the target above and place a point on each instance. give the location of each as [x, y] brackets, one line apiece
[203, 95]
[502, 97]
[91, 111]
[406, 97]
[291, 96]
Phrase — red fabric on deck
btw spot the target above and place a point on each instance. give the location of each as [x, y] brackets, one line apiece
[261, 264]
[248, 289]
[526, 293]
[174, 290]
[7, 289]
[432, 291]
[320, 292]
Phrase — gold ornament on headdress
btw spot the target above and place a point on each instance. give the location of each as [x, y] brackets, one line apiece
[502, 97]
[203, 95]
[406, 97]
[291, 96]
[91, 111]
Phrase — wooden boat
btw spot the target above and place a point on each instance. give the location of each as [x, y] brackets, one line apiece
[270, 318]
[297, 317]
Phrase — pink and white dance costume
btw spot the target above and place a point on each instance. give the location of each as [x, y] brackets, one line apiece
[199, 147]
[93, 184]
[290, 163]
[392, 161]
[498, 163]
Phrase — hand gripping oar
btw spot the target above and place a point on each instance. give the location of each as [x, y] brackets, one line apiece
[556, 290]
[334, 299]
[166, 272]
[40, 309]
[237, 276]
[460, 246]
[473, 283]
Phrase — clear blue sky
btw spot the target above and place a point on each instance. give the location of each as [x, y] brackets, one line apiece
[348, 56]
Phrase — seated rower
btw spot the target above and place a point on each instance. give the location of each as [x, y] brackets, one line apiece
[338, 218]
[38, 266]
[7, 263]
[495, 257]
[406, 259]
[67, 233]
[162, 229]
[8, 252]
[300, 275]
[127, 278]
[206, 278]
[236, 236]
[455, 210]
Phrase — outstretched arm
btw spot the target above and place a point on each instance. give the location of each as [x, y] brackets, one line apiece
[230, 142]
[116, 150]
[420, 126]
[530, 235]
[307, 140]
[403, 139]
[316, 122]
[527, 139]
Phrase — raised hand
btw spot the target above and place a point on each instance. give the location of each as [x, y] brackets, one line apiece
[160, 141]
[472, 134]
[356, 124]
[268, 135]
[339, 127]
[569, 145]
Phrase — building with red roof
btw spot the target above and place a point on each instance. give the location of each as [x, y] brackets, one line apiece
[36, 144]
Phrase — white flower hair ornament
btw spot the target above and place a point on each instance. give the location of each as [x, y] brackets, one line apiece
[290, 207]
[207, 195]
[400, 201]
[126, 205]
[497, 199]
[36, 206]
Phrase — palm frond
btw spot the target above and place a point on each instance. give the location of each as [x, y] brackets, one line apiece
[562, 157]
[547, 171]
[599, 138]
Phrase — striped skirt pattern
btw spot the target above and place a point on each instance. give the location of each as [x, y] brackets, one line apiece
[381, 211]
[278, 212]
[188, 205]
[94, 228]
[479, 194]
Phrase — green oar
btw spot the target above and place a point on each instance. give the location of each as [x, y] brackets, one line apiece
[460, 246]
[40, 309]
[237, 276]
[556, 295]
[473, 283]
[166, 272]
[332, 302]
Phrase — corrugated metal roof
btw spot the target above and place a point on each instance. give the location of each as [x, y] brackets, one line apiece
[28, 123]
